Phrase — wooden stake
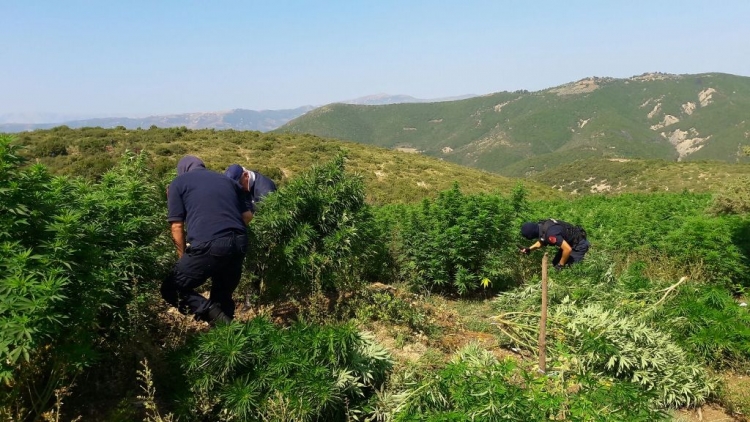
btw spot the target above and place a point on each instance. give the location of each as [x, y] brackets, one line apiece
[543, 320]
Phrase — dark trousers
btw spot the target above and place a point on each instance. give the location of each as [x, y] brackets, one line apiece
[576, 255]
[221, 260]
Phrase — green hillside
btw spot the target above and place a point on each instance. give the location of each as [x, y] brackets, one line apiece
[390, 176]
[652, 116]
[619, 175]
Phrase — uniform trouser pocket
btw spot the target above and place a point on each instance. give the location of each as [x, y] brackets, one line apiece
[229, 246]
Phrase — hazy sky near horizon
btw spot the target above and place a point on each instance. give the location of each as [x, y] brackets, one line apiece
[157, 57]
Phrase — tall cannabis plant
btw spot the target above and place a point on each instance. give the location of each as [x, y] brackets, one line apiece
[451, 243]
[315, 229]
[70, 252]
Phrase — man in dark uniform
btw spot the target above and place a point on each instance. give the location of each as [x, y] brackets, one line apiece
[254, 184]
[211, 207]
[571, 240]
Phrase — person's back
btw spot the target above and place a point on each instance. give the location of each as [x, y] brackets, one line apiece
[208, 202]
[551, 230]
[255, 184]
[262, 186]
[211, 207]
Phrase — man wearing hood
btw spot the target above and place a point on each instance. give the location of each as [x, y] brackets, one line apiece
[254, 184]
[570, 239]
[210, 206]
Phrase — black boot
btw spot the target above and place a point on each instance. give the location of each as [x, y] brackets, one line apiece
[215, 315]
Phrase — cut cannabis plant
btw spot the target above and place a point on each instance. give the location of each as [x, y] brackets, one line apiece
[475, 386]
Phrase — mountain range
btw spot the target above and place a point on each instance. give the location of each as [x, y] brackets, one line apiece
[385, 99]
[237, 119]
[522, 133]
[653, 116]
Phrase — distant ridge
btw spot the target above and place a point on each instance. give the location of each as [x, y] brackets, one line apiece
[237, 119]
[384, 99]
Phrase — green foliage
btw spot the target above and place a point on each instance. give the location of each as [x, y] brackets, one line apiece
[50, 148]
[256, 371]
[451, 243]
[708, 322]
[476, 386]
[634, 328]
[71, 251]
[710, 242]
[670, 225]
[387, 307]
[315, 231]
[608, 342]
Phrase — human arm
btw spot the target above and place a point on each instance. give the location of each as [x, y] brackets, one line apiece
[178, 236]
[247, 216]
[566, 250]
[533, 247]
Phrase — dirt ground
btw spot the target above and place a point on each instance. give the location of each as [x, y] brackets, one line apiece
[708, 413]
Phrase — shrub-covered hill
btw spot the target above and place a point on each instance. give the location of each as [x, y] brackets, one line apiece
[390, 176]
[652, 116]
[618, 175]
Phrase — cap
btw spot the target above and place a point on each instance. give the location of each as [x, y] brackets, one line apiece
[234, 172]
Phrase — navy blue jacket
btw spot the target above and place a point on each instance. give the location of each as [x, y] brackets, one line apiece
[261, 187]
[209, 204]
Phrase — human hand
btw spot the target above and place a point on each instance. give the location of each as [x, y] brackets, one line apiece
[558, 267]
[525, 251]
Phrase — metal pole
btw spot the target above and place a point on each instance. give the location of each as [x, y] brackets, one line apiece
[543, 320]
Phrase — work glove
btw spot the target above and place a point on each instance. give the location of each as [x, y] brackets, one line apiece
[558, 267]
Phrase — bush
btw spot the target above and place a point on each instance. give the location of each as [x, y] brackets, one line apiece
[52, 147]
[733, 199]
[70, 251]
[707, 322]
[314, 231]
[709, 241]
[451, 243]
[256, 371]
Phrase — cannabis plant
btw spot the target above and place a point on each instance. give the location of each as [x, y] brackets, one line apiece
[257, 371]
[623, 331]
[316, 230]
[708, 322]
[608, 342]
[451, 243]
[69, 253]
[476, 386]
[674, 226]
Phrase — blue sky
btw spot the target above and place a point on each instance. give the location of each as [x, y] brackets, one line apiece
[160, 56]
